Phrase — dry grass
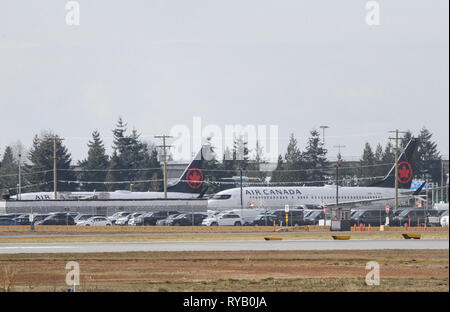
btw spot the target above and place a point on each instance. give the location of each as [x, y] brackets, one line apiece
[405, 270]
[7, 277]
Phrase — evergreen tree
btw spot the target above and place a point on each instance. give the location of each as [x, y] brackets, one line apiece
[41, 159]
[379, 169]
[428, 162]
[367, 161]
[277, 174]
[315, 159]
[9, 171]
[96, 165]
[294, 164]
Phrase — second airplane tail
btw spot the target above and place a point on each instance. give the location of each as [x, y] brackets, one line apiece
[192, 179]
[406, 167]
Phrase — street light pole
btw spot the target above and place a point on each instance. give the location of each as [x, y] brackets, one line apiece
[323, 132]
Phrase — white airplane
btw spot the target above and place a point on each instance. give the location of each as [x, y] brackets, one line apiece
[189, 186]
[278, 197]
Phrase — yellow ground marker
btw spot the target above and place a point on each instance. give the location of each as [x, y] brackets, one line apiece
[341, 237]
[409, 236]
[272, 238]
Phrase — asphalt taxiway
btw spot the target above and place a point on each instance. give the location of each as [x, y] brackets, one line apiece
[99, 247]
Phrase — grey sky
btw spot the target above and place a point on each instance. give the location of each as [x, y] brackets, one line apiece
[158, 63]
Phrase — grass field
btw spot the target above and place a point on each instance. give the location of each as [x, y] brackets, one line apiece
[405, 270]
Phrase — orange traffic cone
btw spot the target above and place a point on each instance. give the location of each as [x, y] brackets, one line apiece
[369, 227]
[354, 227]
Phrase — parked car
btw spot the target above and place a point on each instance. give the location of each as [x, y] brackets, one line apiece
[152, 217]
[57, 219]
[295, 217]
[187, 219]
[95, 221]
[83, 217]
[444, 218]
[7, 221]
[410, 216]
[39, 217]
[167, 220]
[23, 219]
[313, 217]
[374, 217]
[264, 219]
[132, 218]
[118, 215]
[225, 218]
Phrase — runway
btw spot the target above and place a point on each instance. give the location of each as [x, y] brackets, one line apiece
[93, 247]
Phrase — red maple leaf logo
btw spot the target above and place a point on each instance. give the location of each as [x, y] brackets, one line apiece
[194, 178]
[404, 172]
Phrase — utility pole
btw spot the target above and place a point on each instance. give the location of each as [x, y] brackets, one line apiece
[19, 193]
[323, 132]
[442, 181]
[164, 146]
[396, 131]
[55, 178]
[338, 163]
[242, 202]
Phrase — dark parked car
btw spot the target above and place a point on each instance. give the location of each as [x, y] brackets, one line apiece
[374, 217]
[313, 217]
[264, 219]
[167, 220]
[295, 217]
[7, 221]
[152, 217]
[408, 216]
[22, 220]
[57, 219]
[187, 219]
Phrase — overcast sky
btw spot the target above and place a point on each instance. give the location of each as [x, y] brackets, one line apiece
[158, 63]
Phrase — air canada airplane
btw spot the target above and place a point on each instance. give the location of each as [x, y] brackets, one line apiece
[188, 186]
[278, 197]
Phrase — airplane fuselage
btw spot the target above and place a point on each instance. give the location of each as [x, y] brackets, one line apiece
[278, 197]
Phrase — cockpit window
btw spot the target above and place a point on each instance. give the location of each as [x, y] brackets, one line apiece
[223, 196]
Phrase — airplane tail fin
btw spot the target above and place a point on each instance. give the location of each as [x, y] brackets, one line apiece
[191, 181]
[406, 167]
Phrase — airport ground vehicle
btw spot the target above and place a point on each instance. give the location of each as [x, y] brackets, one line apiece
[57, 219]
[152, 217]
[95, 221]
[118, 215]
[413, 216]
[225, 218]
[264, 220]
[187, 219]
